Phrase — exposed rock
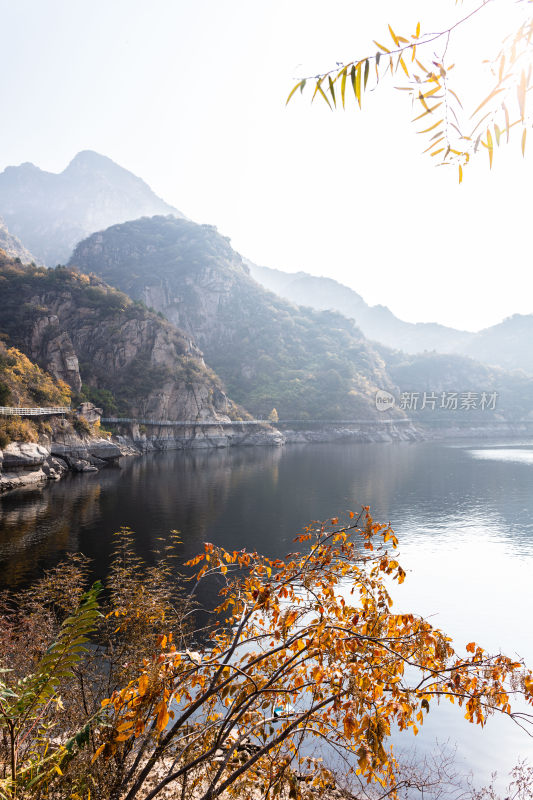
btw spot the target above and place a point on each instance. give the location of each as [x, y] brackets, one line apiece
[21, 480]
[90, 412]
[52, 347]
[12, 246]
[72, 447]
[54, 468]
[28, 465]
[97, 462]
[82, 330]
[80, 464]
[203, 438]
[370, 433]
[24, 455]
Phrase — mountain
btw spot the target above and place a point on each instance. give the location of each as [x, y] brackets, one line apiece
[269, 352]
[506, 345]
[51, 212]
[12, 246]
[107, 348]
[457, 389]
[376, 322]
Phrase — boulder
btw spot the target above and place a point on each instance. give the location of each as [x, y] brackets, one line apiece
[79, 464]
[104, 449]
[90, 412]
[54, 468]
[24, 456]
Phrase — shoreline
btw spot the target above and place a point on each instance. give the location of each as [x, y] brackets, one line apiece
[28, 465]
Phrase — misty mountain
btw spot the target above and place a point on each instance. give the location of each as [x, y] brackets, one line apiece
[457, 383]
[51, 212]
[12, 246]
[506, 345]
[306, 363]
[376, 322]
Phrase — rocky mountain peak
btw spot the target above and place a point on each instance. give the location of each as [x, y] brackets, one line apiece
[51, 212]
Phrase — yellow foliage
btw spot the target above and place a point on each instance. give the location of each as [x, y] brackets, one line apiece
[460, 133]
[302, 649]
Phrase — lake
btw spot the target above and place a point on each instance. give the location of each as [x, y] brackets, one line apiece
[463, 513]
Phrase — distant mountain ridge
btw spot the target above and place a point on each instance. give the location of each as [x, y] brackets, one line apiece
[51, 212]
[377, 322]
[506, 345]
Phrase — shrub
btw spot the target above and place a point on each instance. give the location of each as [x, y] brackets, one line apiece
[16, 429]
[81, 425]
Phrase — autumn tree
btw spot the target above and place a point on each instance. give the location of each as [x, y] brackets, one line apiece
[64, 650]
[299, 651]
[420, 62]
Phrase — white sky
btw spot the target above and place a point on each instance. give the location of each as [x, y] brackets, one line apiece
[190, 95]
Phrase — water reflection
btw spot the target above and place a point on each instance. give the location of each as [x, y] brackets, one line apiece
[463, 514]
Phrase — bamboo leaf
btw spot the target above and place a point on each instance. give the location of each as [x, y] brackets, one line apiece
[394, 37]
[490, 146]
[367, 70]
[402, 62]
[427, 130]
[429, 111]
[524, 135]
[433, 144]
[300, 86]
[358, 84]
[332, 90]
[323, 94]
[343, 85]
[451, 91]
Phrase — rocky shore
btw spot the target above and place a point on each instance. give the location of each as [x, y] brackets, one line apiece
[27, 464]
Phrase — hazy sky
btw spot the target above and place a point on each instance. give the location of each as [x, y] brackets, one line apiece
[190, 95]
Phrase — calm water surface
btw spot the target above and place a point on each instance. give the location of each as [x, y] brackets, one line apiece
[463, 514]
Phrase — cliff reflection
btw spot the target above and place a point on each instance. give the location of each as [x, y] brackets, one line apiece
[260, 498]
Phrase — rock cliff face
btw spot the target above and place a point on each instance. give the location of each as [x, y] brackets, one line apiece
[50, 212]
[268, 351]
[12, 246]
[82, 331]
